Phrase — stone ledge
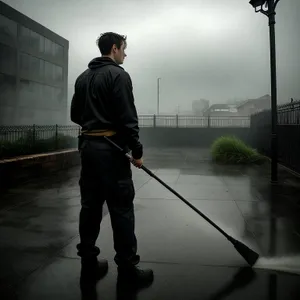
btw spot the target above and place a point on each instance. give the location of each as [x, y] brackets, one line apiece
[17, 170]
[35, 156]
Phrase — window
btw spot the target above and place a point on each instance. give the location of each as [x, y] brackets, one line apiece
[8, 87]
[49, 47]
[37, 42]
[42, 44]
[58, 52]
[25, 37]
[29, 39]
[8, 31]
[32, 67]
[24, 65]
[49, 71]
[7, 60]
[54, 50]
[36, 68]
[58, 73]
[221, 109]
[42, 70]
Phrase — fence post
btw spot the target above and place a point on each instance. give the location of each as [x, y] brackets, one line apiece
[208, 121]
[56, 137]
[154, 120]
[33, 134]
[177, 121]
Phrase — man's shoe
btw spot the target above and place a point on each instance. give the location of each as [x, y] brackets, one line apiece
[136, 276]
[93, 269]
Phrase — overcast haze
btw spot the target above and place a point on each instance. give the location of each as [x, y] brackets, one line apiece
[216, 50]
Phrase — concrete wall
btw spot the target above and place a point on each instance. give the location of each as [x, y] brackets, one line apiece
[188, 137]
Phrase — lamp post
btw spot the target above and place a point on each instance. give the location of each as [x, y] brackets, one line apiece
[267, 7]
[158, 79]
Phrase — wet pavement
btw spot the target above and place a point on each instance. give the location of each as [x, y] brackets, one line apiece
[191, 260]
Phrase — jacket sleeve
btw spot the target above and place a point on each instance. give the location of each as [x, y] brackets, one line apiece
[75, 112]
[126, 114]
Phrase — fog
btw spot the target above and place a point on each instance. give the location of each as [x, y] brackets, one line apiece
[214, 50]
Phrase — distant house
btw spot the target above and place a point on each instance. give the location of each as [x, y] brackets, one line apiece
[252, 106]
[218, 110]
[246, 108]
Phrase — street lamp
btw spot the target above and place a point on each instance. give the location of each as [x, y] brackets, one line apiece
[267, 7]
[158, 79]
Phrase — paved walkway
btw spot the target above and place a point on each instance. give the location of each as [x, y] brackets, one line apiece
[191, 260]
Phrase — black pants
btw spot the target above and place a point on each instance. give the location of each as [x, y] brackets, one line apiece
[106, 176]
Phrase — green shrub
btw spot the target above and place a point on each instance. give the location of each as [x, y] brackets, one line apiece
[231, 150]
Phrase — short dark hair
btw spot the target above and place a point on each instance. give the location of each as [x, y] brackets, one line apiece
[108, 39]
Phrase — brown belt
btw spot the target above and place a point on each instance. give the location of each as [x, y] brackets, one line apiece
[103, 132]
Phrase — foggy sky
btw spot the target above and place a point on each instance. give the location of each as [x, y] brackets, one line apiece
[216, 50]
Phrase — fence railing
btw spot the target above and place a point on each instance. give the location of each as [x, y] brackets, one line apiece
[181, 121]
[21, 140]
[24, 140]
[288, 134]
[289, 114]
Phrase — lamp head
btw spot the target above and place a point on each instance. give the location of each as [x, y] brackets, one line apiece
[258, 4]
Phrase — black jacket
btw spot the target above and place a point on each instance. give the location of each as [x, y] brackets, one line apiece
[103, 99]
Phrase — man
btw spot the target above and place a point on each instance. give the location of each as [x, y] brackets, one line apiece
[103, 105]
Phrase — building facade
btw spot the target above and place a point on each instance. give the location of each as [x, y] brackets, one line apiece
[33, 71]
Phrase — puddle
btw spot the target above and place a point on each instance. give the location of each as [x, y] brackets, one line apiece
[290, 264]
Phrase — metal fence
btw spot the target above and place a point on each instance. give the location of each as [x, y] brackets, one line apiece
[181, 121]
[24, 140]
[18, 140]
[34, 133]
[288, 134]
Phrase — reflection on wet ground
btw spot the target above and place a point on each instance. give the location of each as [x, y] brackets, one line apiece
[191, 260]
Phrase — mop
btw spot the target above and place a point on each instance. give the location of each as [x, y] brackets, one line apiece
[248, 254]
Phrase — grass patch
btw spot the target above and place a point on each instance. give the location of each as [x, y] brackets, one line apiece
[231, 150]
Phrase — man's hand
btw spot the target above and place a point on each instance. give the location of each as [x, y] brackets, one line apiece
[137, 162]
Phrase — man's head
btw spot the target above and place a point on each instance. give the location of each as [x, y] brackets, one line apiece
[113, 45]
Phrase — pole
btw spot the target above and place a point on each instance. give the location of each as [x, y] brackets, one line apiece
[273, 245]
[158, 96]
[274, 137]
